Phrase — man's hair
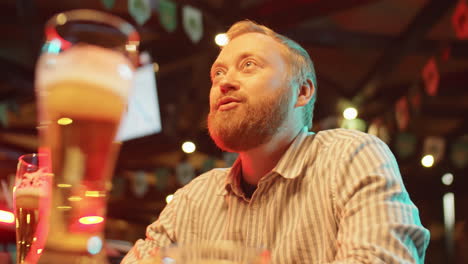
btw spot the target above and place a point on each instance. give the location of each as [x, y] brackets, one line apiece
[301, 66]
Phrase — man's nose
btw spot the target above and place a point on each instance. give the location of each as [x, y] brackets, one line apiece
[228, 83]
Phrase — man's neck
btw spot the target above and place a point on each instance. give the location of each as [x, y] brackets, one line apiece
[261, 160]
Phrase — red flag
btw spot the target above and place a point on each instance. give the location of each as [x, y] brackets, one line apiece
[402, 113]
[430, 75]
[460, 20]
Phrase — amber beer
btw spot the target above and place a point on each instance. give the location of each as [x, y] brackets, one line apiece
[84, 93]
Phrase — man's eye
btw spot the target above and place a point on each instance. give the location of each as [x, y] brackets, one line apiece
[248, 64]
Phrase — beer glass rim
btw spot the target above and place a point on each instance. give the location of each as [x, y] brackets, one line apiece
[26, 159]
[132, 36]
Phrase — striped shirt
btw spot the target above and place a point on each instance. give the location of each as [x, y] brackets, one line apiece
[334, 197]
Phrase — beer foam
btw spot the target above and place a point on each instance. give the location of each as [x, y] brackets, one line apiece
[33, 184]
[86, 63]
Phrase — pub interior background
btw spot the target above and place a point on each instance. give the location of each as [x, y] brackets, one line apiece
[403, 64]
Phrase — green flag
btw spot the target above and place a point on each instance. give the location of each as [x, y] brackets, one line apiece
[167, 15]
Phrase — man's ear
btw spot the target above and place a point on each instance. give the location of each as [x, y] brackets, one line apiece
[306, 90]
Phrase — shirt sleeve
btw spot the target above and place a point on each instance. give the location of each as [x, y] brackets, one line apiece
[377, 221]
[159, 234]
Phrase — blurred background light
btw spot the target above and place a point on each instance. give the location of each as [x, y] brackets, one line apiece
[188, 147]
[447, 179]
[350, 113]
[169, 198]
[427, 161]
[221, 39]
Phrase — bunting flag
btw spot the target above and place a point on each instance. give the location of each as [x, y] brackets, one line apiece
[431, 77]
[139, 184]
[184, 172]
[162, 178]
[402, 113]
[118, 186]
[380, 130]
[167, 15]
[414, 98]
[3, 114]
[405, 145]
[460, 20]
[140, 10]
[459, 153]
[208, 164]
[108, 4]
[434, 146]
[193, 23]
[229, 158]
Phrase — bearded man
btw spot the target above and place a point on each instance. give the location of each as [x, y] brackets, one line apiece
[332, 197]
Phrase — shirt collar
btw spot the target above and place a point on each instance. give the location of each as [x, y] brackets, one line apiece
[292, 162]
[289, 166]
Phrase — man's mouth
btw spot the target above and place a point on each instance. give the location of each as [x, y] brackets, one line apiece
[227, 103]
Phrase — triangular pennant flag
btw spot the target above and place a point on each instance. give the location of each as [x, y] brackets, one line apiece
[167, 15]
[154, 4]
[459, 153]
[460, 20]
[434, 146]
[431, 77]
[229, 158]
[4, 115]
[140, 10]
[184, 172]
[402, 113]
[414, 98]
[193, 23]
[108, 4]
[139, 184]
[162, 178]
[405, 145]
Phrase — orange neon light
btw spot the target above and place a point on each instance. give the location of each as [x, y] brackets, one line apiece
[7, 217]
[91, 220]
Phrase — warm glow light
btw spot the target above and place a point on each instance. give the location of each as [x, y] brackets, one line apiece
[91, 220]
[64, 207]
[449, 211]
[7, 217]
[350, 113]
[155, 67]
[64, 121]
[427, 161]
[74, 198]
[188, 147]
[131, 47]
[169, 198]
[61, 19]
[94, 194]
[64, 185]
[221, 39]
[39, 251]
[447, 179]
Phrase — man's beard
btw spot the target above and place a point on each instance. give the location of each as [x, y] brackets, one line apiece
[248, 126]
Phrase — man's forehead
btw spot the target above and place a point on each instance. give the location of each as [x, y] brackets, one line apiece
[249, 43]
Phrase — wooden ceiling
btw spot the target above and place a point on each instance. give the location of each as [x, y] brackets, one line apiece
[366, 52]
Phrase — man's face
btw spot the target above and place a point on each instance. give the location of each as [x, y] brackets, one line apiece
[250, 93]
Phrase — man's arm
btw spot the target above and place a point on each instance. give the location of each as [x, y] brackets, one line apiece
[378, 223]
[159, 234]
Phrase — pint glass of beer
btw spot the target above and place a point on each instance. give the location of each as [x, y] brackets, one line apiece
[31, 196]
[83, 78]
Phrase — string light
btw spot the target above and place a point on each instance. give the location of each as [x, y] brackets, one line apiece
[188, 147]
[427, 161]
[350, 113]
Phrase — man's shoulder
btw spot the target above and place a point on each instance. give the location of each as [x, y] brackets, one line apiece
[340, 135]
